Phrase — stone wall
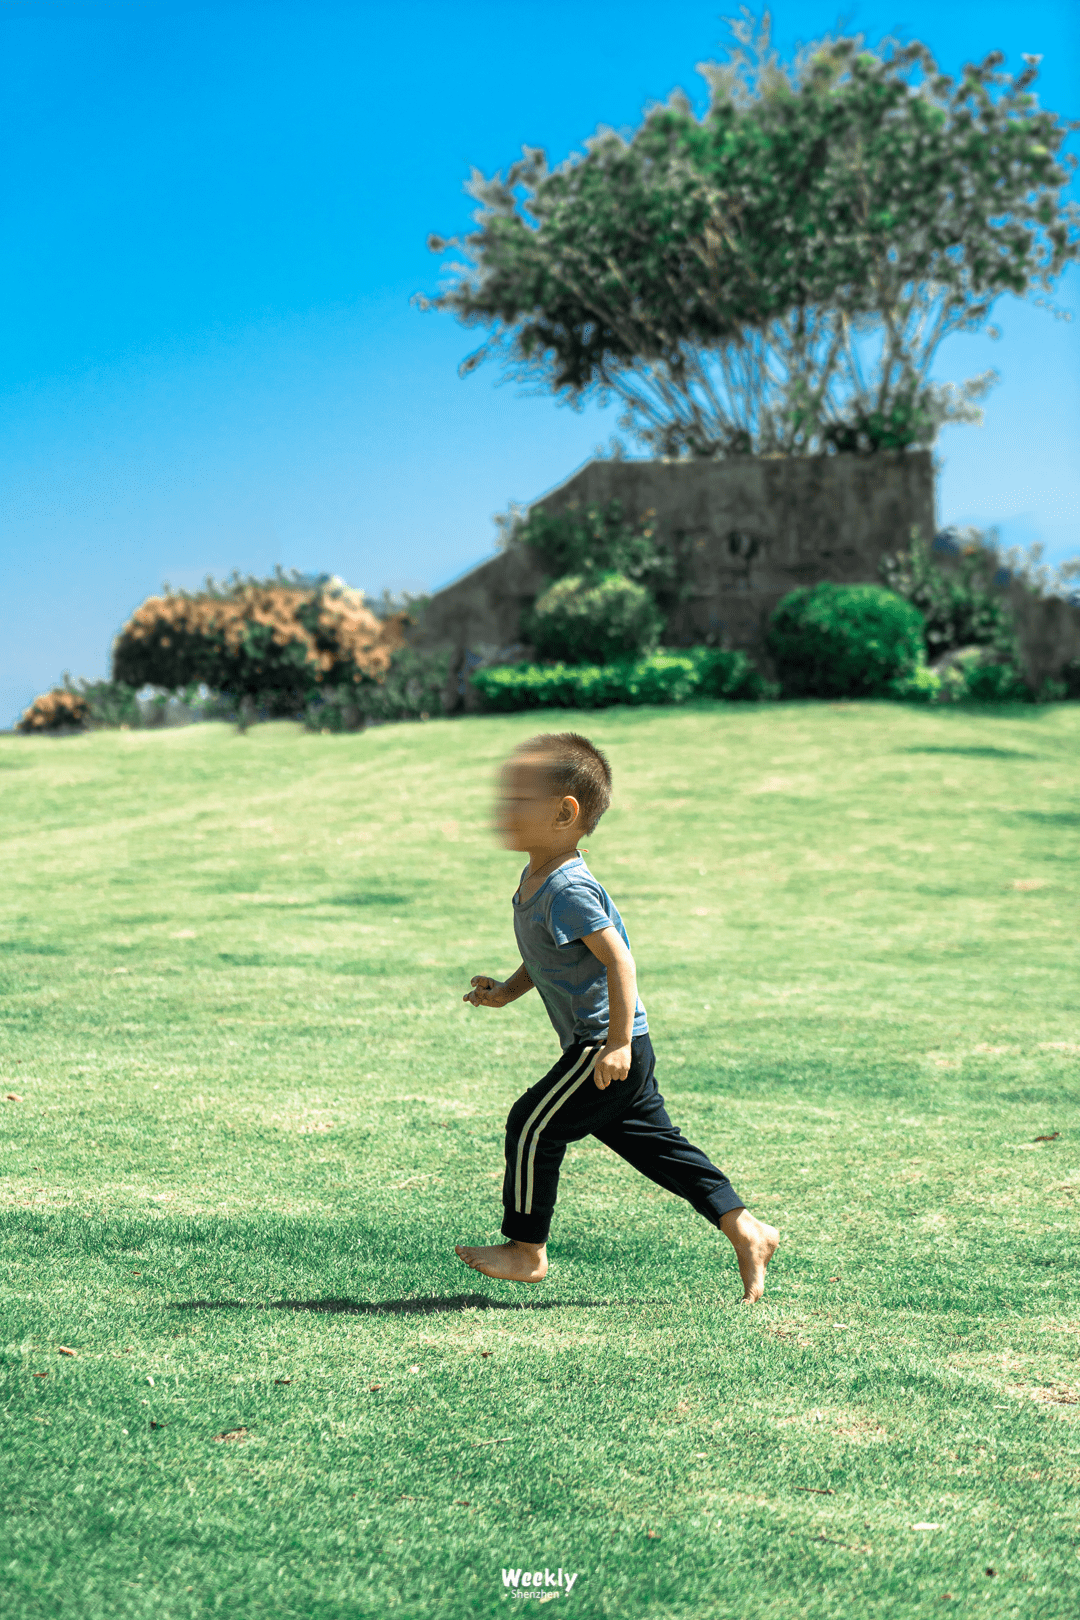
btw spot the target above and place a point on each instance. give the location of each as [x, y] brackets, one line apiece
[745, 531]
[1048, 631]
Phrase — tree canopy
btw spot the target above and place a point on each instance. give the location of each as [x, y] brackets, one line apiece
[777, 275]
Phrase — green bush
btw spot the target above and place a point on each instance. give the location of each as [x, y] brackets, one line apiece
[585, 619]
[920, 685]
[110, 703]
[595, 540]
[664, 677]
[411, 689]
[729, 675]
[972, 676]
[960, 602]
[994, 683]
[844, 641]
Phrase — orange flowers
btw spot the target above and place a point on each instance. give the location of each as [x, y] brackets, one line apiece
[256, 636]
[56, 711]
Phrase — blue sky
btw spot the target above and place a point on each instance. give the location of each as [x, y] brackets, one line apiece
[215, 216]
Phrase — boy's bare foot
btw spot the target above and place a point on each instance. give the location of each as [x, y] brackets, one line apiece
[754, 1244]
[513, 1261]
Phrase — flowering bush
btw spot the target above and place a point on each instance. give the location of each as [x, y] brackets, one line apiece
[58, 710]
[257, 637]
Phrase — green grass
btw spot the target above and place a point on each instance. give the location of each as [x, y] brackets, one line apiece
[256, 1116]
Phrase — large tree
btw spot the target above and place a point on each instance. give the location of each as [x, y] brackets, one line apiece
[778, 275]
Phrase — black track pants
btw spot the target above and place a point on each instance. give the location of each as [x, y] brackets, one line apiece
[628, 1116]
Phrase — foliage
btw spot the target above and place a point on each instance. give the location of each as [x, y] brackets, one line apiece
[110, 703]
[971, 675]
[961, 601]
[588, 618]
[58, 711]
[412, 689]
[665, 677]
[844, 640]
[729, 675]
[920, 685]
[280, 639]
[959, 588]
[777, 275]
[989, 682]
[593, 540]
[114, 705]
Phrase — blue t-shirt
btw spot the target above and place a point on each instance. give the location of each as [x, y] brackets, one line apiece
[572, 982]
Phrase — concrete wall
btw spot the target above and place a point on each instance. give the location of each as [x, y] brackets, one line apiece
[746, 532]
[481, 611]
[1048, 630]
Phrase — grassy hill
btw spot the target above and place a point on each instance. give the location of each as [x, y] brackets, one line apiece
[254, 1116]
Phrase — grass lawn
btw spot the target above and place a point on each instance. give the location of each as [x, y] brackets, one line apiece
[254, 1116]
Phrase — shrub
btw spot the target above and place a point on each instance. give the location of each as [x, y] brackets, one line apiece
[585, 619]
[279, 639]
[412, 689]
[594, 540]
[57, 711]
[844, 641]
[665, 677]
[961, 602]
[110, 703]
[971, 675]
[730, 675]
[920, 685]
[994, 683]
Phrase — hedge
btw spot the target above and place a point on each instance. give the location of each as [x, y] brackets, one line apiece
[665, 677]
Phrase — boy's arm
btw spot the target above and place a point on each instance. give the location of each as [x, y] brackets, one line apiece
[498, 993]
[609, 947]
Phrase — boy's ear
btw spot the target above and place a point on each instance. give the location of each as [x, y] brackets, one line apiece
[568, 812]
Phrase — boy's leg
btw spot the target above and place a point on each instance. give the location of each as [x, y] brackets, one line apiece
[562, 1107]
[539, 1126]
[645, 1137]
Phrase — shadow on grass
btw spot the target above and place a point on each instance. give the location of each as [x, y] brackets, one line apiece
[971, 753]
[1050, 818]
[394, 1307]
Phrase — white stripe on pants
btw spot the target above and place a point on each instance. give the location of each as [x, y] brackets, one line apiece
[575, 1077]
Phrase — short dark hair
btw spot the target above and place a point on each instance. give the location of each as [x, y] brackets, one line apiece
[576, 766]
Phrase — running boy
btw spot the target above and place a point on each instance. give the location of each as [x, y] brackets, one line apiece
[575, 952]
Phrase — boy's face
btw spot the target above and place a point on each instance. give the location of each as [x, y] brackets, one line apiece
[528, 815]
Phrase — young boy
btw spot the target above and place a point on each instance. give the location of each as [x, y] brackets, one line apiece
[575, 952]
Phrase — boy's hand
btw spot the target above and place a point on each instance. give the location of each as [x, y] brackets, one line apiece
[487, 992]
[612, 1064]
